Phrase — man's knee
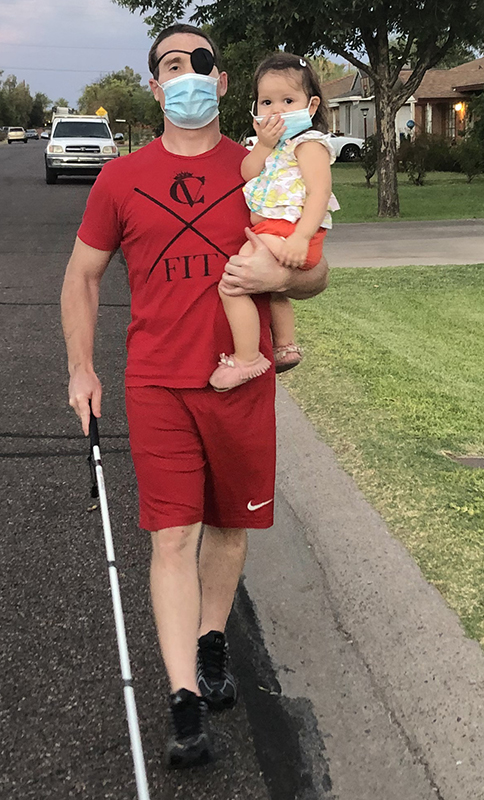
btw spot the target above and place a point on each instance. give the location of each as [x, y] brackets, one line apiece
[174, 543]
[233, 538]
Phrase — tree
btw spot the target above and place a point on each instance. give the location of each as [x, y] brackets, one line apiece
[359, 32]
[457, 55]
[61, 103]
[39, 110]
[369, 159]
[329, 71]
[16, 102]
[123, 97]
[240, 60]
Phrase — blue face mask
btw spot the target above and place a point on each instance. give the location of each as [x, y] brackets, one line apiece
[190, 100]
[295, 122]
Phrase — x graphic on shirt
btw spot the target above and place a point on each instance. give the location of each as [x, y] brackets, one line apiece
[187, 225]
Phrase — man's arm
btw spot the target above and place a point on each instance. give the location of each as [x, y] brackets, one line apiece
[261, 272]
[79, 304]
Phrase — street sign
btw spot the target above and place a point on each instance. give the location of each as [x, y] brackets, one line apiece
[101, 112]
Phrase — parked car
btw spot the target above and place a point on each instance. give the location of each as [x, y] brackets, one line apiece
[119, 137]
[79, 145]
[32, 133]
[346, 148]
[45, 134]
[16, 135]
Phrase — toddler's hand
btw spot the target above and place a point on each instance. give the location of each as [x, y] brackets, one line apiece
[270, 130]
[294, 251]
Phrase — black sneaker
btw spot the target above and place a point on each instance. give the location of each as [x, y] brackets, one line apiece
[190, 744]
[217, 685]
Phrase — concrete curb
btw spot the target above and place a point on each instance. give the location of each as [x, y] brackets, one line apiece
[422, 669]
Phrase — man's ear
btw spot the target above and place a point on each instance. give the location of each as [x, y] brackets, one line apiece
[157, 92]
[223, 83]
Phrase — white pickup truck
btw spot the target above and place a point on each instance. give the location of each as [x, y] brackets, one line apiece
[79, 145]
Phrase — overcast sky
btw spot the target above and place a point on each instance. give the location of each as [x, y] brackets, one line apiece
[58, 46]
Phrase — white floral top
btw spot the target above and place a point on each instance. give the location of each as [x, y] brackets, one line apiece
[279, 191]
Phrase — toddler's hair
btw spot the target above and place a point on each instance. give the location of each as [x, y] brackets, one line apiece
[283, 62]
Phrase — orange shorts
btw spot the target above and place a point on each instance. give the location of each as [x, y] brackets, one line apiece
[284, 228]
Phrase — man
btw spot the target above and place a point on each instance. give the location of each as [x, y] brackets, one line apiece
[176, 209]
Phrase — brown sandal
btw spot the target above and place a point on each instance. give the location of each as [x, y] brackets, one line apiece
[287, 356]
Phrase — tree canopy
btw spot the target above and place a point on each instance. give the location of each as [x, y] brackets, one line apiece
[376, 36]
[18, 107]
[123, 96]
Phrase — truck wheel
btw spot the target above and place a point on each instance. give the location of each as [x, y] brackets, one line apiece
[50, 175]
[351, 152]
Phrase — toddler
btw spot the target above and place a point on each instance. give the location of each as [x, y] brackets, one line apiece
[288, 191]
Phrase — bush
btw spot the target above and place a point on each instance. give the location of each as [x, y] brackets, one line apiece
[413, 158]
[470, 155]
[428, 153]
[441, 155]
[369, 156]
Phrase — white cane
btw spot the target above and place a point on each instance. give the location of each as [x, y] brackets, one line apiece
[99, 489]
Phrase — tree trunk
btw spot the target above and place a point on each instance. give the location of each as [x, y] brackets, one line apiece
[388, 203]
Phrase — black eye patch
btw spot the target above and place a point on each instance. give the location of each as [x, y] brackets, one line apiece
[201, 59]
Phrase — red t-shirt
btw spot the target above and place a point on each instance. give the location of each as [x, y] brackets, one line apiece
[178, 219]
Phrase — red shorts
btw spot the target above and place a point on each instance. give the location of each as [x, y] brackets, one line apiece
[284, 228]
[201, 455]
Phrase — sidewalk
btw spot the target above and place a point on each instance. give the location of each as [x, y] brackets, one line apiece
[370, 659]
[398, 244]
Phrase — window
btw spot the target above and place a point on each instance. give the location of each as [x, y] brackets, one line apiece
[348, 119]
[450, 122]
[76, 130]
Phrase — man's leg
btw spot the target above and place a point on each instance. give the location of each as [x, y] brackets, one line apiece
[175, 593]
[222, 558]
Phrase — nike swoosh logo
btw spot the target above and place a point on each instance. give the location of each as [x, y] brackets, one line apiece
[251, 507]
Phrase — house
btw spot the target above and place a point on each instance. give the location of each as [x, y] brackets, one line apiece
[441, 101]
[438, 105]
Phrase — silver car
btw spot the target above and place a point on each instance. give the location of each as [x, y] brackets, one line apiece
[16, 135]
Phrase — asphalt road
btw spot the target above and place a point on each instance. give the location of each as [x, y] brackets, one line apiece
[63, 732]
[357, 682]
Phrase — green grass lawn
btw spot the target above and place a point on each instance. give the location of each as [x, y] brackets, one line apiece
[445, 195]
[124, 149]
[394, 377]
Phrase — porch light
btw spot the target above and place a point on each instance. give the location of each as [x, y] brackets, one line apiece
[458, 107]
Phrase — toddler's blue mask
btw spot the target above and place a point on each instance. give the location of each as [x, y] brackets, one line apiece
[190, 100]
[295, 121]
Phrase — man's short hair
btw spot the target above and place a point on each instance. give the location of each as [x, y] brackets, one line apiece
[178, 27]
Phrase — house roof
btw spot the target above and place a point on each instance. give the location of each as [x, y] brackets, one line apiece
[469, 76]
[445, 84]
[449, 83]
[436, 83]
[338, 87]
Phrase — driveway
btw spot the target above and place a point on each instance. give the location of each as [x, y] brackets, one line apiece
[398, 244]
